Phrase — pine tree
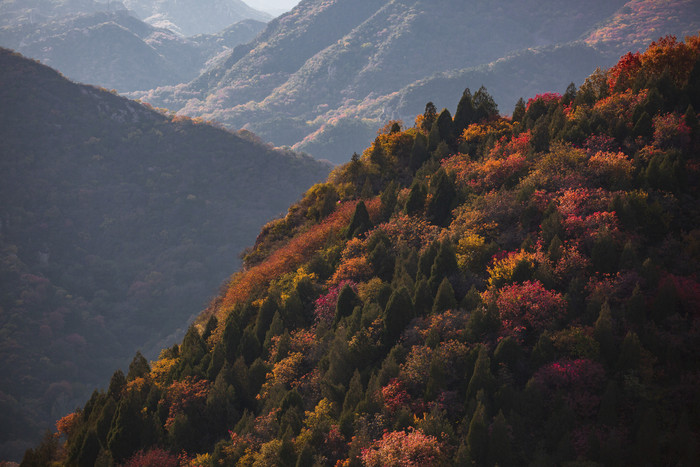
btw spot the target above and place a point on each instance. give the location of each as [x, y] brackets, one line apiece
[519, 111]
[465, 113]
[445, 126]
[478, 436]
[138, 367]
[445, 298]
[360, 222]
[117, 385]
[419, 152]
[439, 209]
[416, 199]
[347, 301]
[484, 104]
[482, 378]
[398, 313]
[603, 333]
[429, 117]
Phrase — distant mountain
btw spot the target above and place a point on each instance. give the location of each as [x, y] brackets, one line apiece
[327, 59]
[116, 223]
[191, 17]
[118, 51]
[15, 12]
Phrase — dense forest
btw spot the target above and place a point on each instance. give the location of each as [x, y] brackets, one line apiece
[474, 289]
[117, 224]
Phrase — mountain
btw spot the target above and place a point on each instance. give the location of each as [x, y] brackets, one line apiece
[117, 222]
[274, 7]
[15, 12]
[325, 60]
[471, 290]
[192, 17]
[118, 51]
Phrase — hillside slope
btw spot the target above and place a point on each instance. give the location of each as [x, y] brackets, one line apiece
[472, 290]
[326, 60]
[116, 223]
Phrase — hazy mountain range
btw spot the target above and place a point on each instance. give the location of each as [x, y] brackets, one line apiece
[116, 224]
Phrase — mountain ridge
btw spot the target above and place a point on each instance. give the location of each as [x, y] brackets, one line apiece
[116, 221]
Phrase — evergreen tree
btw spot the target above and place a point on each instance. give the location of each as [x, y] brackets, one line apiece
[193, 348]
[445, 298]
[416, 199]
[603, 333]
[138, 367]
[89, 450]
[388, 199]
[267, 311]
[439, 209]
[398, 313]
[482, 378]
[117, 385]
[478, 436]
[484, 104]
[419, 152]
[347, 301]
[500, 445]
[231, 338]
[429, 117]
[519, 111]
[354, 394]
[125, 434]
[465, 113]
[422, 297]
[445, 126]
[360, 222]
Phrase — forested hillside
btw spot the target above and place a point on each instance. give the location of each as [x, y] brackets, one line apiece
[470, 290]
[327, 73]
[117, 223]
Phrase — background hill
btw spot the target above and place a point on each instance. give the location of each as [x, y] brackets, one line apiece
[327, 60]
[116, 223]
[471, 290]
[192, 17]
[117, 51]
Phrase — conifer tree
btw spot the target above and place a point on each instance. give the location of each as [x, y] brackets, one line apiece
[231, 338]
[429, 117]
[89, 450]
[422, 297]
[398, 313]
[445, 297]
[347, 301]
[519, 111]
[482, 378]
[388, 199]
[603, 333]
[445, 126]
[465, 113]
[117, 385]
[419, 152]
[416, 199]
[354, 394]
[360, 222]
[125, 433]
[440, 206]
[138, 367]
[478, 436]
[484, 104]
